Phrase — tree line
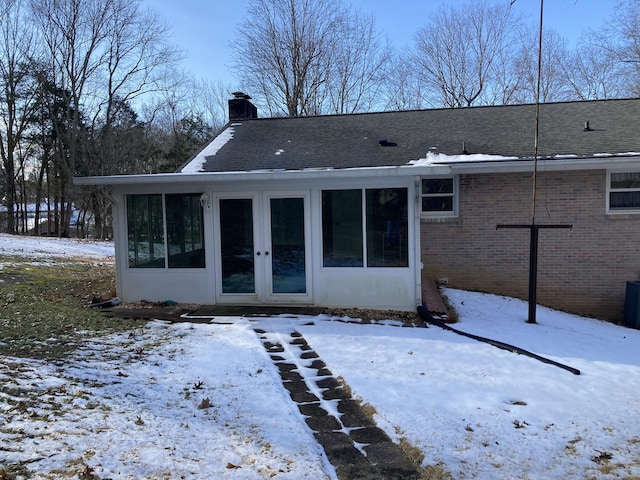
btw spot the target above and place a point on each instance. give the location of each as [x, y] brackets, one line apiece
[308, 57]
[95, 87]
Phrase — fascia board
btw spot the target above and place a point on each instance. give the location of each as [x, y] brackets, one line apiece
[270, 175]
[548, 165]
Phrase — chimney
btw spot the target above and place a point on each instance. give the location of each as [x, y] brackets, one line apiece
[240, 108]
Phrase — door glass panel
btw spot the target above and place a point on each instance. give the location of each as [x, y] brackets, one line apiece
[236, 238]
[287, 245]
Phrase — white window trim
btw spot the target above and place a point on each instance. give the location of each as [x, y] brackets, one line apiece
[455, 194]
[610, 190]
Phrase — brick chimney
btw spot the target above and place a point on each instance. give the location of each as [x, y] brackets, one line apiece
[240, 108]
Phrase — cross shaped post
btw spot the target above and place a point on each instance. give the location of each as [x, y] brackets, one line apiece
[533, 262]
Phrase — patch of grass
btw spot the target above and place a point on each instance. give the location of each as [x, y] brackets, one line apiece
[44, 308]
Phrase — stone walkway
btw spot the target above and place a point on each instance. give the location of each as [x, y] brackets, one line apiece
[354, 445]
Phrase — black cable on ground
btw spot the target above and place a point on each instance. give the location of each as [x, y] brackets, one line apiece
[428, 318]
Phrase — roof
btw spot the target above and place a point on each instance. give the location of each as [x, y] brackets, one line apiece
[396, 138]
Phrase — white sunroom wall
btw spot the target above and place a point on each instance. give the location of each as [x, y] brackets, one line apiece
[182, 285]
[384, 288]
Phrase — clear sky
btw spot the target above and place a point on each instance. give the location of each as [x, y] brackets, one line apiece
[204, 28]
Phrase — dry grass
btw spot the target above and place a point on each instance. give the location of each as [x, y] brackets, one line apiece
[44, 307]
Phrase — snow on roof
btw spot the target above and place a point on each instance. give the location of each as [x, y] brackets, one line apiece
[197, 164]
[442, 159]
[435, 159]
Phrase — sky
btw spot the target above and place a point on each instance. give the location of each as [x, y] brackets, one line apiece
[132, 404]
[205, 28]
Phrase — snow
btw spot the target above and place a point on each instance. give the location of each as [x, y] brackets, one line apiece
[434, 159]
[197, 164]
[42, 248]
[125, 406]
[439, 158]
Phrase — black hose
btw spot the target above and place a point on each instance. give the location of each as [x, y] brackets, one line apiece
[428, 318]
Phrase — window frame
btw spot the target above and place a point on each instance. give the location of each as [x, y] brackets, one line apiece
[365, 229]
[167, 263]
[610, 190]
[455, 195]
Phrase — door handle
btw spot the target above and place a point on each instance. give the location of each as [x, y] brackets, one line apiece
[266, 253]
[257, 253]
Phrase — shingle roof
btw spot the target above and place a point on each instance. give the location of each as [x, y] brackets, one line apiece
[348, 141]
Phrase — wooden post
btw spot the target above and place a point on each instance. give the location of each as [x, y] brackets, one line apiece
[533, 262]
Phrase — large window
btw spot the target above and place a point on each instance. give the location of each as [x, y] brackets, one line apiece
[439, 196]
[381, 239]
[342, 228]
[185, 238]
[624, 191]
[147, 231]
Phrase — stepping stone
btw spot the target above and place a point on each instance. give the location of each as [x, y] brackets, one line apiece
[303, 397]
[312, 410]
[291, 375]
[369, 435]
[355, 420]
[328, 382]
[340, 449]
[318, 364]
[335, 394]
[311, 354]
[326, 423]
[286, 367]
[295, 386]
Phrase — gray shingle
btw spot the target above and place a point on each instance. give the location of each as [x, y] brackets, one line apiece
[347, 141]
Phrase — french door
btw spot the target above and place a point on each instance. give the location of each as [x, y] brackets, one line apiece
[262, 248]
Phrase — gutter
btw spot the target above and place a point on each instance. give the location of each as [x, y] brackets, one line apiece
[266, 175]
[607, 162]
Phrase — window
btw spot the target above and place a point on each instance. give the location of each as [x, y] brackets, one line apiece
[185, 238]
[624, 192]
[387, 227]
[146, 231]
[439, 196]
[382, 238]
[342, 228]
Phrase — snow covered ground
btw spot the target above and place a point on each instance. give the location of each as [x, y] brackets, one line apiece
[126, 406]
[42, 248]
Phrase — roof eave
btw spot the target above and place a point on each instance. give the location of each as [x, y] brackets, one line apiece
[548, 164]
[266, 175]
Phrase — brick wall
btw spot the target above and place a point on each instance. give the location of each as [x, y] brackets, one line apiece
[583, 270]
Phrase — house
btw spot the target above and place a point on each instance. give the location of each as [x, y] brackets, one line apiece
[362, 210]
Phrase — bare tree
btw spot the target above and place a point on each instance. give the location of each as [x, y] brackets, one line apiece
[307, 57]
[402, 89]
[555, 58]
[284, 52]
[359, 66]
[457, 52]
[210, 101]
[103, 54]
[18, 49]
[619, 41]
[594, 72]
